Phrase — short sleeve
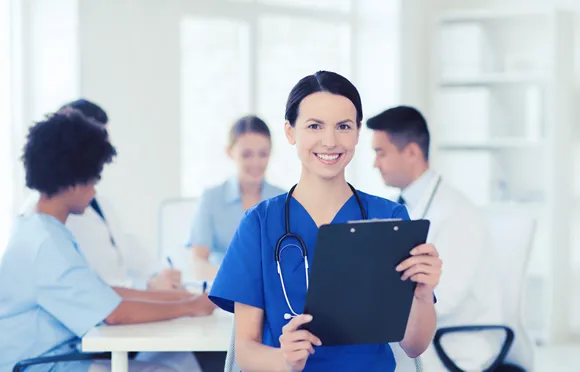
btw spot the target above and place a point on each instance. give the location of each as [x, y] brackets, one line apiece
[216, 257]
[69, 290]
[400, 211]
[201, 231]
[239, 278]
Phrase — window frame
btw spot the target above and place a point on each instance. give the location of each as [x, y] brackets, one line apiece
[251, 11]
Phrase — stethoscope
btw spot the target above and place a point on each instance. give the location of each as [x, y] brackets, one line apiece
[300, 245]
[431, 197]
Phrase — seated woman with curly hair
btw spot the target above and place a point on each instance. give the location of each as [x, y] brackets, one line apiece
[50, 297]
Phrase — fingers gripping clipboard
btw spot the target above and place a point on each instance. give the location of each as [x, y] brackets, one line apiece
[355, 295]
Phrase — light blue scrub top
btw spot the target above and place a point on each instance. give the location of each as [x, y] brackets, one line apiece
[248, 275]
[49, 296]
[217, 215]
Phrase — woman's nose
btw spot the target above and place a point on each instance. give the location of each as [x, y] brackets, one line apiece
[329, 138]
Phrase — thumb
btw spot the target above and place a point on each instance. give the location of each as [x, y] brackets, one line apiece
[297, 322]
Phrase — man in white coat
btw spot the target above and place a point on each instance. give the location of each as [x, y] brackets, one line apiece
[467, 293]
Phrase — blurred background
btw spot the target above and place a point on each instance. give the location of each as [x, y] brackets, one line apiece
[499, 83]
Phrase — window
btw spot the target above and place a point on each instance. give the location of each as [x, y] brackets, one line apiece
[214, 93]
[340, 5]
[289, 49]
[45, 35]
[54, 36]
[6, 185]
[245, 58]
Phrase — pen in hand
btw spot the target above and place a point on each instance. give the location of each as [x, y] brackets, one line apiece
[170, 262]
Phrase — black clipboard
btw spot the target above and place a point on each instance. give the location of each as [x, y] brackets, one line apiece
[353, 264]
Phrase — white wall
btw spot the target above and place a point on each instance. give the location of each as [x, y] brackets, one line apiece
[130, 65]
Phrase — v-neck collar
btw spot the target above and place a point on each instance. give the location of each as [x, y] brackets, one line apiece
[338, 218]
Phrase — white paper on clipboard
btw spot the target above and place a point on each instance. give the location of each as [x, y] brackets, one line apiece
[376, 220]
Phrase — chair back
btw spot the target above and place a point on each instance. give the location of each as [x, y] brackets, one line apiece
[511, 235]
[231, 365]
[173, 223]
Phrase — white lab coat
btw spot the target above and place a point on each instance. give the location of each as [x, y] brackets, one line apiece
[467, 293]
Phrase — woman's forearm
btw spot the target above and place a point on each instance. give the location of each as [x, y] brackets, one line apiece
[420, 328]
[253, 356]
[149, 295]
[135, 311]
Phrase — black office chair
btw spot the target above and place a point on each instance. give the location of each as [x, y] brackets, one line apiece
[71, 357]
[498, 364]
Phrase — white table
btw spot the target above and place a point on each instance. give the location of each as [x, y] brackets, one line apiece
[211, 333]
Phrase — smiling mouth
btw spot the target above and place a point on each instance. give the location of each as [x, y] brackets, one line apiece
[328, 158]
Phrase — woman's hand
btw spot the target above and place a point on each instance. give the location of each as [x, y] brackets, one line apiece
[201, 253]
[166, 280]
[424, 268]
[201, 306]
[296, 345]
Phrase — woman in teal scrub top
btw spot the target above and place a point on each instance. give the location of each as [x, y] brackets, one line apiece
[220, 208]
[323, 120]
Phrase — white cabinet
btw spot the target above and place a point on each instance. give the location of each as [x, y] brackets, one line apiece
[500, 113]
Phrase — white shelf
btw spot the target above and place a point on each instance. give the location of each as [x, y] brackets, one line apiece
[498, 144]
[494, 79]
[501, 81]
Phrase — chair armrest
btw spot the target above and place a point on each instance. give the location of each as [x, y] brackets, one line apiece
[446, 360]
[72, 357]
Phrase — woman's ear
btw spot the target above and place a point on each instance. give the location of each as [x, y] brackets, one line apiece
[229, 152]
[289, 131]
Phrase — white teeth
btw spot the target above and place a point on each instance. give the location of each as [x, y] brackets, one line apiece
[327, 157]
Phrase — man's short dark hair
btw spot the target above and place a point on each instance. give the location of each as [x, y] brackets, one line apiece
[89, 109]
[405, 125]
[65, 150]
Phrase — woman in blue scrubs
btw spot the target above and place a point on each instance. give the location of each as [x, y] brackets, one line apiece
[323, 119]
[220, 209]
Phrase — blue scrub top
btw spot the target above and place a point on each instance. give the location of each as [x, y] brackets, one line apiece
[49, 296]
[217, 215]
[248, 275]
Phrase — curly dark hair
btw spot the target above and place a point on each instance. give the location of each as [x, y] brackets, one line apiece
[89, 109]
[65, 150]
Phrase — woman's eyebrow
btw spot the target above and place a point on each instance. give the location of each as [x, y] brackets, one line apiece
[345, 121]
[318, 121]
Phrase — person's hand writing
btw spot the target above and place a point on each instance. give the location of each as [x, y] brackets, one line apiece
[424, 268]
[296, 345]
[166, 280]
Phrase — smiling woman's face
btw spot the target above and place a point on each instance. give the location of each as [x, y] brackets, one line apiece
[325, 134]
